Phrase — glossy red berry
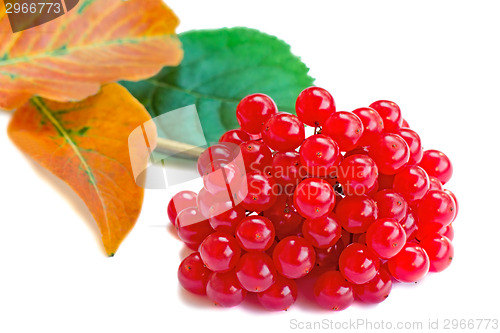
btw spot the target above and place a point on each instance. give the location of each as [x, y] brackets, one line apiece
[294, 257]
[453, 196]
[410, 264]
[228, 219]
[405, 124]
[409, 224]
[220, 252]
[345, 128]
[314, 105]
[255, 233]
[226, 178]
[286, 168]
[215, 155]
[257, 192]
[179, 202]
[256, 156]
[390, 113]
[357, 174]
[412, 182]
[356, 213]
[192, 227]
[314, 198]
[256, 272]
[440, 251]
[385, 237]
[284, 216]
[283, 132]
[253, 111]
[414, 144]
[377, 289]
[358, 264]
[332, 291]
[437, 164]
[390, 152]
[373, 125]
[436, 207]
[391, 205]
[193, 275]
[323, 232]
[319, 154]
[280, 296]
[447, 232]
[225, 290]
[435, 184]
[236, 136]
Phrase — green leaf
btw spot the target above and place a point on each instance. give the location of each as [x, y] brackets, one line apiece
[220, 67]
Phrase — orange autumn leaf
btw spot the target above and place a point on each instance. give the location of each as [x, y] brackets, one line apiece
[86, 144]
[99, 41]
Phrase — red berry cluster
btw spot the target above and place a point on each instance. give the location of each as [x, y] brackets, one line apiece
[359, 203]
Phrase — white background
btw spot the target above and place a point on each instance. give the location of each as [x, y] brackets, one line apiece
[440, 61]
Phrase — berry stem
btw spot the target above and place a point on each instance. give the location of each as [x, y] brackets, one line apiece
[178, 149]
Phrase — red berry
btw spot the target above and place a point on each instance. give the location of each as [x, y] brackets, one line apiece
[255, 233]
[373, 125]
[280, 296]
[410, 264]
[192, 226]
[179, 202]
[236, 136]
[257, 192]
[213, 204]
[314, 198]
[323, 232]
[314, 105]
[224, 179]
[412, 183]
[391, 205]
[437, 165]
[414, 144]
[385, 237]
[447, 232]
[356, 213]
[390, 112]
[452, 195]
[253, 111]
[256, 272]
[358, 264]
[345, 128]
[223, 152]
[283, 132]
[228, 219]
[284, 216]
[220, 252]
[435, 184]
[193, 275]
[440, 251]
[390, 152]
[319, 154]
[329, 257]
[225, 290]
[436, 207]
[405, 124]
[286, 168]
[409, 225]
[332, 291]
[377, 289]
[256, 156]
[357, 174]
[294, 257]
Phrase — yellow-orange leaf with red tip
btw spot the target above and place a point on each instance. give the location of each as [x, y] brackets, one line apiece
[86, 144]
[97, 42]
